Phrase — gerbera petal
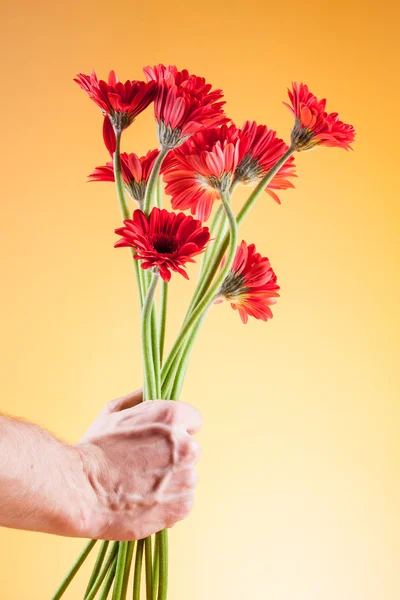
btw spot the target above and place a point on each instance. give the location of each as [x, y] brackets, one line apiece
[164, 240]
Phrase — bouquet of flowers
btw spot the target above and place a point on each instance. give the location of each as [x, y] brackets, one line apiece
[202, 157]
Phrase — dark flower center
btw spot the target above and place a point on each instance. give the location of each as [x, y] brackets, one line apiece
[164, 243]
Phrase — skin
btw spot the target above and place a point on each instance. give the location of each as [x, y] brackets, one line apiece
[131, 475]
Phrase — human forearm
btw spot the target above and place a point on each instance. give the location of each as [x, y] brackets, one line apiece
[42, 483]
[131, 475]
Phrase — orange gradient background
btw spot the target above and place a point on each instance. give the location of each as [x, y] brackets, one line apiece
[299, 482]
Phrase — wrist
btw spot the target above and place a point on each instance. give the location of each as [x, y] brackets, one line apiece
[78, 514]
[92, 514]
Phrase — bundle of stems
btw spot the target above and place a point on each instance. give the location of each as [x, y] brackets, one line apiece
[163, 377]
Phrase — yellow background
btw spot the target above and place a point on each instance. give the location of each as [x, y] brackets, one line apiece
[299, 482]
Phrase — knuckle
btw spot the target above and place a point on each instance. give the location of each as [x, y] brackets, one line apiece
[189, 449]
[186, 448]
[111, 406]
[185, 507]
[191, 478]
[170, 413]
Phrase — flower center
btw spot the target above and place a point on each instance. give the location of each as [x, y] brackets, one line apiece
[164, 243]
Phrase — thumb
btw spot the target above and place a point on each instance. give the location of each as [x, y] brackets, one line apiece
[125, 402]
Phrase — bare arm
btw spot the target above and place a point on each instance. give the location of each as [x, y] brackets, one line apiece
[131, 475]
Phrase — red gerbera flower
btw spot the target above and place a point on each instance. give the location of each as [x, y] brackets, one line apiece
[184, 104]
[313, 125]
[164, 240]
[251, 286]
[135, 173]
[198, 171]
[121, 102]
[263, 151]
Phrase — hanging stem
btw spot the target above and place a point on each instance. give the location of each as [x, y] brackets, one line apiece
[138, 570]
[74, 569]
[128, 562]
[152, 182]
[108, 580]
[209, 298]
[97, 566]
[152, 382]
[120, 571]
[156, 566]
[148, 554]
[112, 556]
[163, 559]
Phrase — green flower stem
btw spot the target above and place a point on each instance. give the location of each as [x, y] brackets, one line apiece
[138, 570]
[181, 371]
[158, 200]
[183, 359]
[163, 317]
[211, 245]
[259, 189]
[163, 559]
[156, 566]
[97, 566]
[137, 268]
[74, 569]
[155, 344]
[148, 554]
[152, 383]
[209, 298]
[216, 225]
[152, 182]
[120, 570]
[168, 384]
[108, 581]
[209, 265]
[128, 563]
[206, 281]
[112, 556]
[146, 281]
[119, 182]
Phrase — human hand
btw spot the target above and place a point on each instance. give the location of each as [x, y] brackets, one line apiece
[139, 460]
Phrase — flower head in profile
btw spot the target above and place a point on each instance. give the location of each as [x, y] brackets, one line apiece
[313, 125]
[121, 102]
[184, 104]
[250, 285]
[164, 240]
[135, 173]
[202, 168]
[263, 151]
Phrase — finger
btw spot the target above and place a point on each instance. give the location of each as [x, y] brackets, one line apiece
[189, 416]
[178, 508]
[178, 414]
[183, 480]
[189, 450]
[125, 402]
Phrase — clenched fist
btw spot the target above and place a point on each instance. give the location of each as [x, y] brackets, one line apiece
[139, 459]
[131, 475]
